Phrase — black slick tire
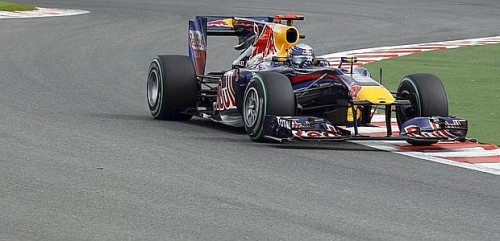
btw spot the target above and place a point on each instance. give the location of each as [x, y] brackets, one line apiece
[267, 93]
[171, 87]
[428, 98]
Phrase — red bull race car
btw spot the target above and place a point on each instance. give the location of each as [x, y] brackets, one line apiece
[278, 91]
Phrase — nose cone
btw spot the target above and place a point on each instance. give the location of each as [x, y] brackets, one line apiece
[377, 95]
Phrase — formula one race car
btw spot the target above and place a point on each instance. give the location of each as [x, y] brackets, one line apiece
[279, 91]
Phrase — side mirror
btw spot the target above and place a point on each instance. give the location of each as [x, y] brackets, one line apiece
[350, 60]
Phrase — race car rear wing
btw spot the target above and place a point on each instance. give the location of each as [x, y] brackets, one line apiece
[236, 26]
[244, 27]
[233, 26]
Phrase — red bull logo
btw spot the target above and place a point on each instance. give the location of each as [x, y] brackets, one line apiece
[264, 46]
[227, 23]
[225, 92]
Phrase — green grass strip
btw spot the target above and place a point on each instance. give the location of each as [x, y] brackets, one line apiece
[471, 76]
[11, 7]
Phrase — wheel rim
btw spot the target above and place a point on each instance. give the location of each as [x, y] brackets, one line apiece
[408, 111]
[411, 111]
[251, 107]
[153, 87]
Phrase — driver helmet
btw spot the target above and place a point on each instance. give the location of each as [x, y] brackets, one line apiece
[301, 56]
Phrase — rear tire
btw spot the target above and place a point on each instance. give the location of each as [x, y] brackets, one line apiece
[428, 98]
[268, 93]
[171, 87]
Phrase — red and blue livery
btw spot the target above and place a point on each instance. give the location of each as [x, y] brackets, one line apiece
[278, 90]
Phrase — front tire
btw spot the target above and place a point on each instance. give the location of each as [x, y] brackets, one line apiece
[428, 98]
[171, 87]
[268, 93]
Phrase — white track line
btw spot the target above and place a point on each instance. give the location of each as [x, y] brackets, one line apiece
[482, 167]
[467, 152]
[492, 168]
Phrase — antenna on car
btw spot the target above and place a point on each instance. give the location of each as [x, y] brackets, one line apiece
[350, 60]
[380, 75]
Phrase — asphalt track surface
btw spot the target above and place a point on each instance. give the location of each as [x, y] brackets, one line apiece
[82, 159]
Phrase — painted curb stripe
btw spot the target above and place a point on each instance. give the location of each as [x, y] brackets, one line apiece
[470, 155]
[484, 157]
[380, 53]
[445, 146]
[41, 12]
[491, 168]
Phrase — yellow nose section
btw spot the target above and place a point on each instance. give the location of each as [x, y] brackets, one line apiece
[377, 95]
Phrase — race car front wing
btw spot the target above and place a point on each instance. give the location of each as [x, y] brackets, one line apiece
[288, 128]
